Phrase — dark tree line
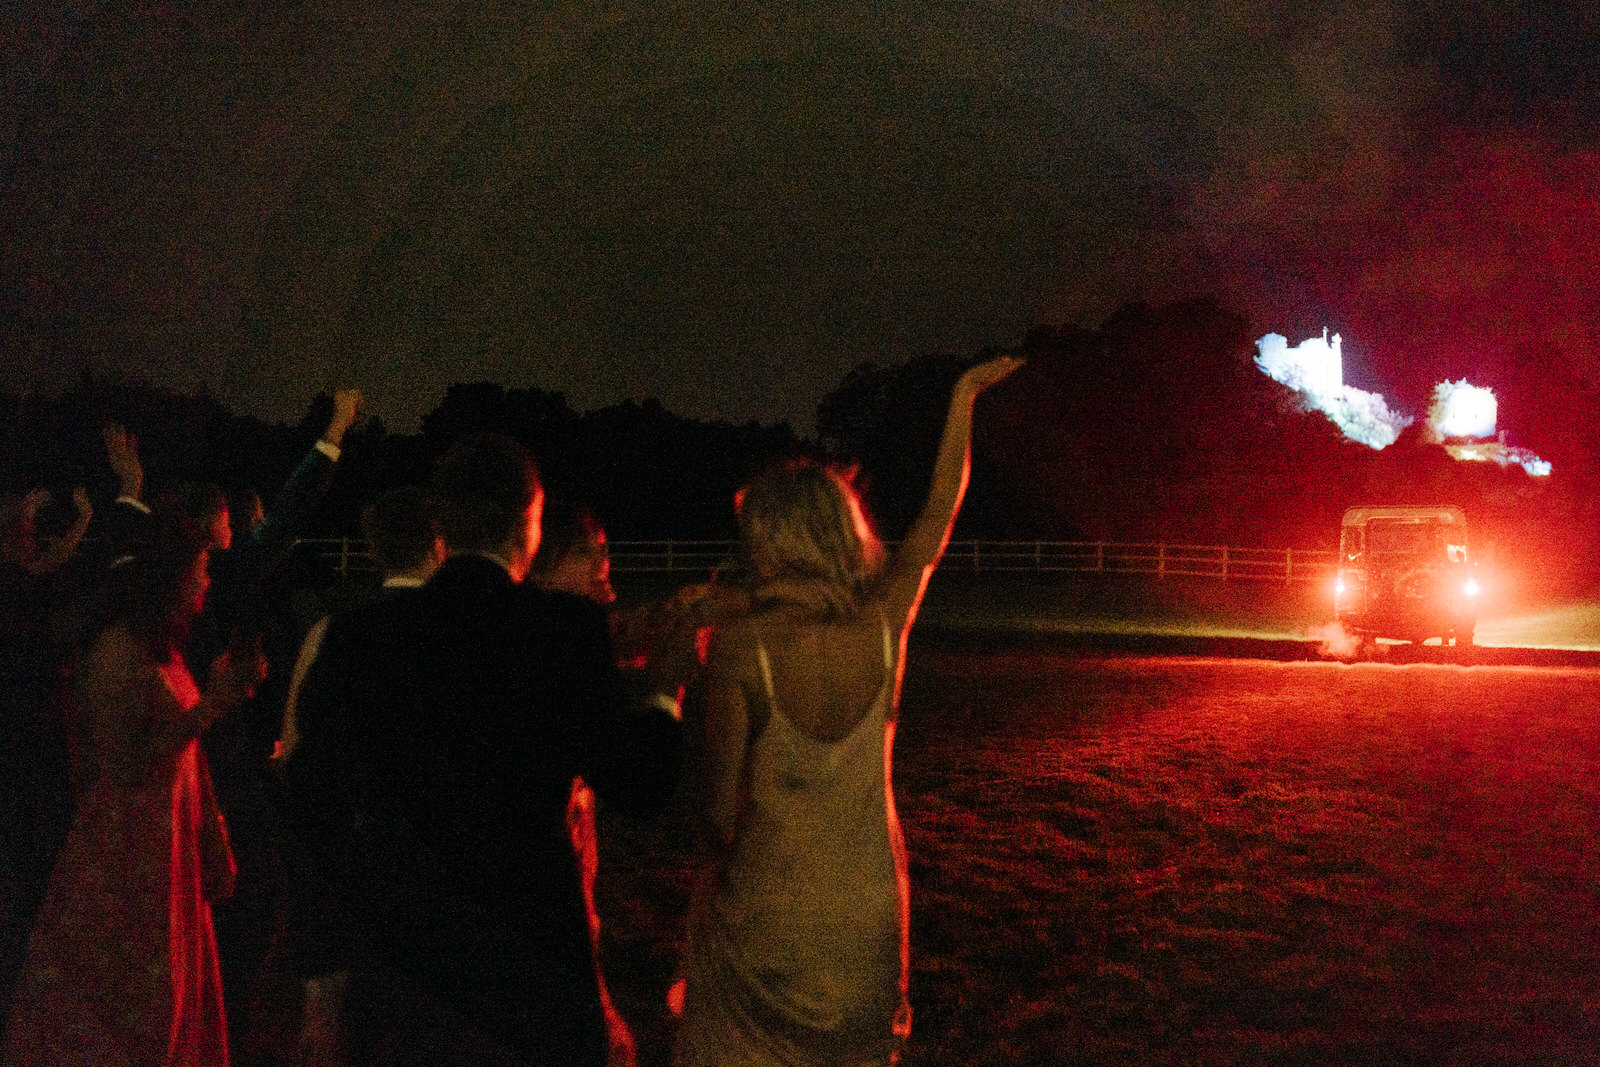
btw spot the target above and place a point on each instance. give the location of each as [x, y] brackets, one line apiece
[1156, 426]
[648, 473]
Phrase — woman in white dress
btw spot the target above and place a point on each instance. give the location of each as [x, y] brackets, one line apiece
[798, 950]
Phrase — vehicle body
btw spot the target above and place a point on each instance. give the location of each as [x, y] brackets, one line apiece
[1406, 573]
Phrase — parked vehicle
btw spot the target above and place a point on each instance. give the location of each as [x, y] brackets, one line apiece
[1406, 573]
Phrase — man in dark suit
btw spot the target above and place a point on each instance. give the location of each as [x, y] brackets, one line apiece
[403, 539]
[463, 711]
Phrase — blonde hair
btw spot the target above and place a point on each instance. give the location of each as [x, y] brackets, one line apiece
[802, 522]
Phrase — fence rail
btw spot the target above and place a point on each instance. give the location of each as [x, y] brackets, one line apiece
[348, 556]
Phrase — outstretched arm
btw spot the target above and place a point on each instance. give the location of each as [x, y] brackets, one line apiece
[273, 538]
[126, 527]
[122, 453]
[925, 542]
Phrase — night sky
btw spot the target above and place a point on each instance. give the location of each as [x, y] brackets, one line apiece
[727, 206]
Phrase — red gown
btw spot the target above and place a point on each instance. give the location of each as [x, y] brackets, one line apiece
[122, 965]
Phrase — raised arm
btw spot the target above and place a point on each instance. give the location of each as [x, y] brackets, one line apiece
[273, 537]
[122, 454]
[59, 551]
[126, 527]
[919, 553]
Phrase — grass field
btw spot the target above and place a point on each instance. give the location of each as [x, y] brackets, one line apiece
[1132, 861]
[1206, 607]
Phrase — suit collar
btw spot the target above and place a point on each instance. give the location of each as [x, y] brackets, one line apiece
[471, 568]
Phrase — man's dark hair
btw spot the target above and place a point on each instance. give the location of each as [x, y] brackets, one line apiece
[483, 485]
[400, 527]
[197, 504]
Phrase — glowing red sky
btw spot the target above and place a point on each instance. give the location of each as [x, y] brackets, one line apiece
[728, 206]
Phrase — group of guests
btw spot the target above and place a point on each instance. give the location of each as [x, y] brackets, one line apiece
[406, 788]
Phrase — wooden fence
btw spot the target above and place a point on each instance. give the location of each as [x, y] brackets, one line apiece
[348, 557]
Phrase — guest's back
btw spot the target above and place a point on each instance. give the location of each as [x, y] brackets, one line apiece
[464, 709]
[809, 897]
[486, 698]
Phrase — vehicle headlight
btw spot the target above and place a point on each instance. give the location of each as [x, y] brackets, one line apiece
[1471, 588]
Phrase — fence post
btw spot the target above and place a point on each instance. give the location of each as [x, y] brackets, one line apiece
[974, 557]
[1288, 565]
[670, 567]
[1161, 560]
[1099, 555]
[1038, 551]
[1224, 562]
[344, 558]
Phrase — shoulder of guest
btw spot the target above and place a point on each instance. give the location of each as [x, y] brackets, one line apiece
[358, 616]
[471, 566]
[564, 605]
[115, 645]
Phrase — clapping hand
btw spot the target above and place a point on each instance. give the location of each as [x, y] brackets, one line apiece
[32, 503]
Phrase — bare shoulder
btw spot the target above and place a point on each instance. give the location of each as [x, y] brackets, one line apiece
[114, 661]
[115, 648]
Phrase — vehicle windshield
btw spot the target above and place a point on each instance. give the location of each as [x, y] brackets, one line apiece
[1405, 538]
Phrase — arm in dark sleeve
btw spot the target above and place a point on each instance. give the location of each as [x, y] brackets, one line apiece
[629, 751]
[273, 537]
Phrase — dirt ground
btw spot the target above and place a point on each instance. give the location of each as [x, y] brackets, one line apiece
[1123, 860]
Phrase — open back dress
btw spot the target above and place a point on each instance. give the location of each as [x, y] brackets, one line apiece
[799, 954]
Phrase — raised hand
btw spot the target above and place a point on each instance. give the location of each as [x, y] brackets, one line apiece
[36, 499]
[347, 404]
[122, 452]
[982, 376]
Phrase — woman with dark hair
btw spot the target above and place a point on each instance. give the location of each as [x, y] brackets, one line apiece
[122, 965]
[798, 942]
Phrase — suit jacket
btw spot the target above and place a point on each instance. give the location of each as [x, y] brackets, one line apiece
[440, 733]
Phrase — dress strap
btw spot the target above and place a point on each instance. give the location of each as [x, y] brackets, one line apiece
[888, 643]
[766, 669]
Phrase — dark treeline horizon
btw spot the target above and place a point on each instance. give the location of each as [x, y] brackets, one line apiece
[1157, 426]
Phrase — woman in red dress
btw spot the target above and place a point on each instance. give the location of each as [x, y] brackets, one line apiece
[122, 964]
